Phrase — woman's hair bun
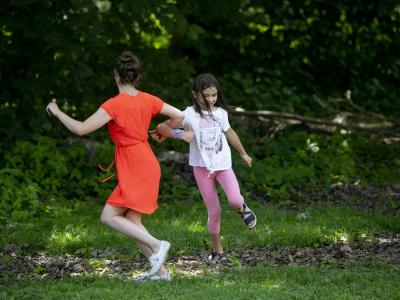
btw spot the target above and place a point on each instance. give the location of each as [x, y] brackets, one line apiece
[128, 67]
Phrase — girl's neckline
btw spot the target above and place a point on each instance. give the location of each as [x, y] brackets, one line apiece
[206, 111]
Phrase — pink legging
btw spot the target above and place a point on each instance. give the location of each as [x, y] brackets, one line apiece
[208, 190]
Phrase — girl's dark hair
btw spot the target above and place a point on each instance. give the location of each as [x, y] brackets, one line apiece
[202, 82]
[128, 67]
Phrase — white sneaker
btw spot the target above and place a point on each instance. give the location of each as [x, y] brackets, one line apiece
[146, 277]
[167, 277]
[142, 277]
[157, 259]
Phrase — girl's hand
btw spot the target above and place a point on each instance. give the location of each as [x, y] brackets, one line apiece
[246, 159]
[187, 136]
[156, 136]
[52, 108]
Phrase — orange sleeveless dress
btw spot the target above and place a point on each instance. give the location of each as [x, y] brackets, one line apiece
[137, 168]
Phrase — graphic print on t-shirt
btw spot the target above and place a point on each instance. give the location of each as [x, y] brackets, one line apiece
[210, 135]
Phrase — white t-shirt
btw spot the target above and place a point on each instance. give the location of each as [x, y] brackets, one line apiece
[209, 148]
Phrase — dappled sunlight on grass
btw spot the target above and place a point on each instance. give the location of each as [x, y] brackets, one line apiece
[323, 224]
[270, 285]
[185, 227]
[188, 273]
[71, 235]
[176, 223]
[196, 227]
[311, 234]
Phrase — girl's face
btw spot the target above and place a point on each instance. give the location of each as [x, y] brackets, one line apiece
[210, 95]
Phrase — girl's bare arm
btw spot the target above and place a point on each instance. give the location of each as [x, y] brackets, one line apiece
[234, 140]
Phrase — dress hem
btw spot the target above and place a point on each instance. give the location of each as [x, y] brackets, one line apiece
[131, 207]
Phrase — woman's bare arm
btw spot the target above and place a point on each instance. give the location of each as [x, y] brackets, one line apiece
[174, 114]
[94, 122]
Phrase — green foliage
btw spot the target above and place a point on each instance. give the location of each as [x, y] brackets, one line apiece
[41, 161]
[174, 189]
[275, 54]
[378, 162]
[19, 196]
[39, 170]
[302, 160]
[32, 171]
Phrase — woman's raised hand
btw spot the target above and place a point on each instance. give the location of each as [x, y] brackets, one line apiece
[52, 108]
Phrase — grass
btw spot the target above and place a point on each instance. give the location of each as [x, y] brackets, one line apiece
[70, 227]
[371, 281]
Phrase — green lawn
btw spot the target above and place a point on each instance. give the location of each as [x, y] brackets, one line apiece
[71, 227]
[371, 281]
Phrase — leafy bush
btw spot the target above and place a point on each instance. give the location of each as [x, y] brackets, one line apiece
[36, 170]
[378, 163]
[41, 161]
[304, 161]
[19, 196]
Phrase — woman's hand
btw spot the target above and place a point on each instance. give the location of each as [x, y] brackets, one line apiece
[246, 159]
[95, 121]
[52, 108]
[157, 136]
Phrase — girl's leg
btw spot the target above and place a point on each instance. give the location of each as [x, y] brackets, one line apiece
[216, 243]
[136, 218]
[230, 185]
[115, 218]
[210, 197]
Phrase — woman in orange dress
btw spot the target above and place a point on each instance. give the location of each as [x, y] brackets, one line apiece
[128, 116]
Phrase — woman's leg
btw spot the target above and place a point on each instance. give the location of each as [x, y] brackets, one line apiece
[115, 218]
[136, 218]
[209, 194]
[230, 185]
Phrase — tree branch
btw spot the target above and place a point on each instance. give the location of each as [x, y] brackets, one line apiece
[385, 127]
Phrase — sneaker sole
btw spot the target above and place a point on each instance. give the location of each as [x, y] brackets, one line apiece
[254, 224]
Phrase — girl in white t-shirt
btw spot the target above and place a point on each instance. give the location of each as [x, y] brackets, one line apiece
[206, 129]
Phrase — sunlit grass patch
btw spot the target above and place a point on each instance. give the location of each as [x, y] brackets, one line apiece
[197, 227]
[70, 235]
[80, 229]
